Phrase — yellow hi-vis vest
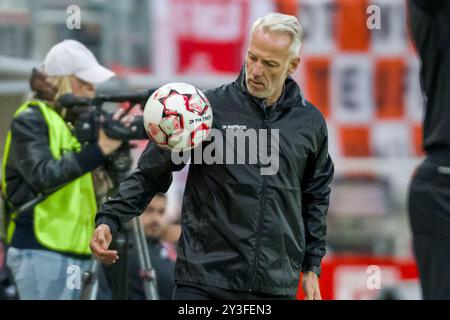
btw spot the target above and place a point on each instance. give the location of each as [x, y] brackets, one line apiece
[65, 220]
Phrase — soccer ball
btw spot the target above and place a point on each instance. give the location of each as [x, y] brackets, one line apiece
[177, 117]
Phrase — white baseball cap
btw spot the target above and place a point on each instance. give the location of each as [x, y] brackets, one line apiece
[72, 57]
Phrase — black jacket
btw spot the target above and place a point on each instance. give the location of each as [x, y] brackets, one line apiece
[430, 29]
[242, 230]
[31, 169]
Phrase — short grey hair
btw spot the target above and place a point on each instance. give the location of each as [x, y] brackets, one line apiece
[282, 23]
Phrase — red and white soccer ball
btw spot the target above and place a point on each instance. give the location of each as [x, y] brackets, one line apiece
[178, 117]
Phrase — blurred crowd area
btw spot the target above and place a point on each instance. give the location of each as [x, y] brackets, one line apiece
[363, 77]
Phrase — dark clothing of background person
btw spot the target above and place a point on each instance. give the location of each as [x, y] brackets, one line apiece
[241, 230]
[429, 194]
[164, 268]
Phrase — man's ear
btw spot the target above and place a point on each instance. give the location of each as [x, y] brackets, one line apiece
[293, 64]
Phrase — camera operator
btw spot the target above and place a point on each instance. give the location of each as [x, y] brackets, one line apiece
[49, 242]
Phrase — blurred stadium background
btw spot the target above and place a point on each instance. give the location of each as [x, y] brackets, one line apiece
[366, 83]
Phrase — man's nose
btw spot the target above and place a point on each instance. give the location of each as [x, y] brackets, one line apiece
[257, 69]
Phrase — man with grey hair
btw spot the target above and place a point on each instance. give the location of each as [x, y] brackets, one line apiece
[268, 32]
[245, 235]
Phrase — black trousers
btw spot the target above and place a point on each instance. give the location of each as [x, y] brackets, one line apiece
[191, 291]
[429, 213]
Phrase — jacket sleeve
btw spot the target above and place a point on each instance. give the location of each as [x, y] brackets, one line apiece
[30, 154]
[429, 6]
[152, 175]
[315, 199]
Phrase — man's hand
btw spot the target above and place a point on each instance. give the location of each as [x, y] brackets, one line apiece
[100, 243]
[310, 284]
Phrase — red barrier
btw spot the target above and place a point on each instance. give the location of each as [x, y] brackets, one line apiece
[352, 277]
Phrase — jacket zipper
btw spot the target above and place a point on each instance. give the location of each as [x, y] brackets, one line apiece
[263, 202]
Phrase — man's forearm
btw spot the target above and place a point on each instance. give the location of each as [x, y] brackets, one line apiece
[134, 194]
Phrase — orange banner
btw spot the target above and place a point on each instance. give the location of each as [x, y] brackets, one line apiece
[350, 24]
[317, 82]
[389, 88]
[355, 141]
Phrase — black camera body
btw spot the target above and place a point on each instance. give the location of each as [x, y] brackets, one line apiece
[88, 124]
[87, 128]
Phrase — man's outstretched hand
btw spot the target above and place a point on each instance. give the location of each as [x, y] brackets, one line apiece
[100, 243]
[310, 284]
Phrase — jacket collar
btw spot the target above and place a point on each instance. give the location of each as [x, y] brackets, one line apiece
[289, 98]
